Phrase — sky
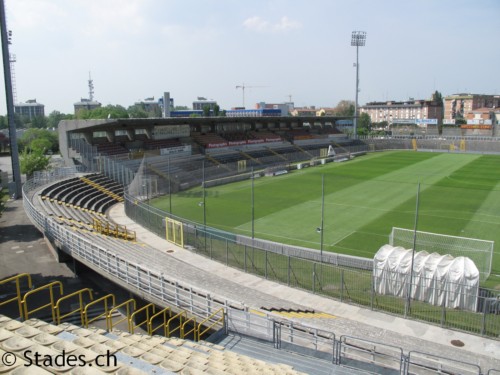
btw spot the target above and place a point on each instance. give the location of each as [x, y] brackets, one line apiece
[278, 49]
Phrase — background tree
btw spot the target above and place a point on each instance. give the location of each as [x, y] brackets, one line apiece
[38, 122]
[345, 108]
[206, 111]
[55, 117]
[39, 138]
[137, 111]
[32, 160]
[4, 122]
[437, 97]
[109, 111]
[364, 124]
[216, 110]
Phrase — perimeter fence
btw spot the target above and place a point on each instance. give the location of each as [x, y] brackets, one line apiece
[348, 279]
[340, 282]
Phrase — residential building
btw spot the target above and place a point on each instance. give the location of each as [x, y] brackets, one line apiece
[306, 111]
[201, 103]
[29, 109]
[480, 121]
[411, 109]
[285, 108]
[457, 106]
[150, 106]
[88, 104]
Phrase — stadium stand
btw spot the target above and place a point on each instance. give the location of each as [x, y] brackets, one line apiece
[116, 352]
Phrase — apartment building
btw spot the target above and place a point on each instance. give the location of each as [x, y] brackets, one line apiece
[392, 111]
[29, 109]
[458, 106]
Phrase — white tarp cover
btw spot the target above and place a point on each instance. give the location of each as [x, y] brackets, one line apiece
[437, 279]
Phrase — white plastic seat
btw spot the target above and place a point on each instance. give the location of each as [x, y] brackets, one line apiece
[151, 358]
[45, 339]
[67, 346]
[170, 365]
[28, 331]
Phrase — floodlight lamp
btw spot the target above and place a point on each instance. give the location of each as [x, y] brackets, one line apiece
[358, 38]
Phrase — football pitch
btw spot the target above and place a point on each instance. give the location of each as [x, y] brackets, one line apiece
[363, 200]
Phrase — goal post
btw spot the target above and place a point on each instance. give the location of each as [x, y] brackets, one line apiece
[479, 251]
[174, 231]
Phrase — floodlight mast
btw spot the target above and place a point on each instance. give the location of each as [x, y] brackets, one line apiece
[358, 39]
[16, 169]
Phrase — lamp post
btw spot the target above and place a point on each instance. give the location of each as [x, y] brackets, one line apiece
[358, 39]
[16, 168]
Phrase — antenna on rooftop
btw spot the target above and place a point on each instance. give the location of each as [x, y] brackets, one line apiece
[91, 88]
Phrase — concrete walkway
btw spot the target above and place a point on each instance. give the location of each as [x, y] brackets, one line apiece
[345, 320]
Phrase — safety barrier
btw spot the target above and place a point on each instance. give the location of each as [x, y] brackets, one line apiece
[80, 308]
[167, 311]
[181, 317]
[148, 309]
[18, 298]
[129, 305]
[51, 304]
[142, 280]
[186, 332]
[107, 309]
[115, 230]
[208, 327]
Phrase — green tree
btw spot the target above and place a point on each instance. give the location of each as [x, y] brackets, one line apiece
[4, 122]
[49, 139]
[345, 108]
[216, 110]
[206, 111]
[32, 160]
[364, 124]
[38, 122]
[137, 111]
[55, 117]
[109, 111]
[437, 97]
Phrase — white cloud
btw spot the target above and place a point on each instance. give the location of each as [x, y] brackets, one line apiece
[259, 24]
[256, 24]
[286, 24]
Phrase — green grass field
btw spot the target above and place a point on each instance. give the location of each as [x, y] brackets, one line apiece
[364, 199]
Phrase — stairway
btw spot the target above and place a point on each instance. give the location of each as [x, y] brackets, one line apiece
[265, 351]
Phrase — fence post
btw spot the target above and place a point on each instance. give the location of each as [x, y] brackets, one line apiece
[227, 252]
[483, 323]
[314, 278]
[443, 311]
[341, 285]
[289, 269]
[245, 257]
[372, 292]
[266, 263]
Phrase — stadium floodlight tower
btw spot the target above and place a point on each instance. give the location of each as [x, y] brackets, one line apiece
[358, 39]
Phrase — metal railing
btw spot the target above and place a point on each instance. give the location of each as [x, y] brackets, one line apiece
[160, 289]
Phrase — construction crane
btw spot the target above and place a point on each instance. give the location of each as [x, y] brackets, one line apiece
[243, 87]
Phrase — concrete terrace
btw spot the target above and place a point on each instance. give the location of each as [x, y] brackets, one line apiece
[339, 318]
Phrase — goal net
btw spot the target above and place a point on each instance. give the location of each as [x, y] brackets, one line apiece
[479, 251]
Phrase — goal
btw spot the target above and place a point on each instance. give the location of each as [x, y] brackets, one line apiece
[479, 251]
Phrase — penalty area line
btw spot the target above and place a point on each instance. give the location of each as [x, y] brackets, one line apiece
[343, 238]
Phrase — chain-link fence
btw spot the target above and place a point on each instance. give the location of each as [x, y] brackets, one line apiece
[346, 284]
[293, 266]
